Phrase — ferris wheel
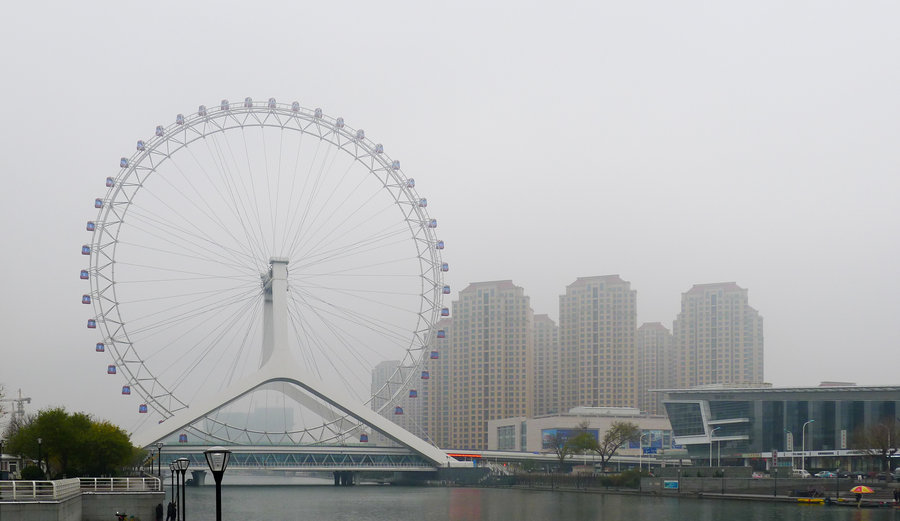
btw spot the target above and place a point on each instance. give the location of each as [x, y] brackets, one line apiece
[213, 211]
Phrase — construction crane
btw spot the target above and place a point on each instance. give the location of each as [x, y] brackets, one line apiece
[20, 405]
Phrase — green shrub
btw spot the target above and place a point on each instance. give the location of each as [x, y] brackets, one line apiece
[32, 472]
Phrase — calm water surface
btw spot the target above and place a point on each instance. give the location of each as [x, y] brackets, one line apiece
[385, 503]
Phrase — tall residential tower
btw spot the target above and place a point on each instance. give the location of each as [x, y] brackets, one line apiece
[483, 373]
[655, 365]
[597, 324]
[546, 366]
[718, 337]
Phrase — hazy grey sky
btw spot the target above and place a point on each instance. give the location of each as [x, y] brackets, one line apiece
[672, 143]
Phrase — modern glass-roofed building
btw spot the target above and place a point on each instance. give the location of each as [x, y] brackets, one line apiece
[745, 425]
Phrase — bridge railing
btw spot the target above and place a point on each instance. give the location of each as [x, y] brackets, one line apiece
[329, 465]
[57, 490]
[150, 484]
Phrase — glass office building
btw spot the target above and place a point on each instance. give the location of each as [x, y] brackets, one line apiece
[745, 426]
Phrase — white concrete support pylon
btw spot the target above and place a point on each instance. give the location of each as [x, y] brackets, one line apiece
[275, 324]
[278, 365]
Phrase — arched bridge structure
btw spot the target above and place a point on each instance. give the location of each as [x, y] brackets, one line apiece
[279, 367]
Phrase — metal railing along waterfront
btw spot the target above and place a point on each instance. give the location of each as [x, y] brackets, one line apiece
[57, 490]
[151, 484]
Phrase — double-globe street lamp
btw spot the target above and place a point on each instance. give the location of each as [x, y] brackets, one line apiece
[181, 465]
[803, 442]
[217, 459]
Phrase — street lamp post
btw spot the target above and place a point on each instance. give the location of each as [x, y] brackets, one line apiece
[182, 465]
[718, 453]
[172, 471]
[803, 443]
[710, 444]
[641, 453]
[40, 466]
[217, 459]
[159, 446]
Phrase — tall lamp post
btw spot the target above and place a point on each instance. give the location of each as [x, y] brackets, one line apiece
[181, 464]
[710, 444]
[159, 446]
[641, 453]
[803, 442]
[40, 465]
[217, 459]
[172, 471]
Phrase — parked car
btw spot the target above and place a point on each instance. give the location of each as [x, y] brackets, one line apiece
[826, 474]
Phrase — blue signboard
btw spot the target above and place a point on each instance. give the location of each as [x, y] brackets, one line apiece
[649, 450]
[550, 437]
[670, 484]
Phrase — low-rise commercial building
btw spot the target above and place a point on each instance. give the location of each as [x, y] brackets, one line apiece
[534, 434]
[807, 427]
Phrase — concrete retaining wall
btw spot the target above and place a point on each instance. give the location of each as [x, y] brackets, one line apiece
[65, 510]
[98, 506]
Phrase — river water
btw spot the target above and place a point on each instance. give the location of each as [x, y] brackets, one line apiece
[390, 503]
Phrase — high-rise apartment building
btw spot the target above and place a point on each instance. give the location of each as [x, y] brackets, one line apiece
[655, 365]
[483, 373]
[718, 337]
[597, 325]
[546, 366]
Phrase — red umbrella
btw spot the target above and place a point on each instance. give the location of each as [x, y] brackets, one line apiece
[861, 489]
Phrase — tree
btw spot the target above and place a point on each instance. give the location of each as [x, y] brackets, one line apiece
[618, 434]
[879, 440]
[584, 440]
[560, 446]
[72, 444]
[565, 447]
[107, 447]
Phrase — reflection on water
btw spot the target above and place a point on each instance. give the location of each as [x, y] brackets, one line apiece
[386, 503]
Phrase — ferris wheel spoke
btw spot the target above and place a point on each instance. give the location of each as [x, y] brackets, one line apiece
[183, 344]
[254, 200]
[389, 331]
[183, 255]
[336, 234]
[274, 205]
[196, 198]
[239, 206]
[340, 337]
[195, 275]
[203, 247]
[227, 199]
[202, 349]
[347, 252]
[314, 227]
[305, 339]
[293, 176]
[294, 209]
[175, 313]
[310, 199]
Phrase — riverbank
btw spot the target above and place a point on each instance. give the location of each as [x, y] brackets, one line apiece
[786, 491]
